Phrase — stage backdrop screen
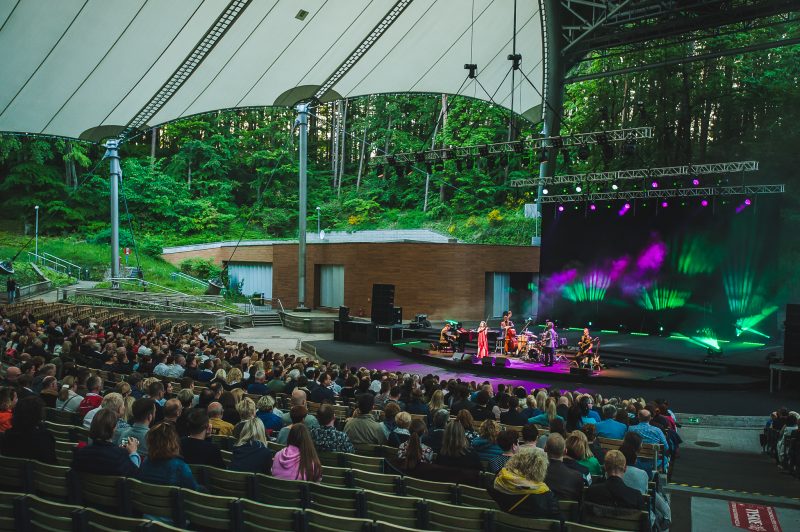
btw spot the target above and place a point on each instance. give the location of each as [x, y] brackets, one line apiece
[684, 265]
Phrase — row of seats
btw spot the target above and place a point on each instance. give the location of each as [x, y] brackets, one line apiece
[352, 495]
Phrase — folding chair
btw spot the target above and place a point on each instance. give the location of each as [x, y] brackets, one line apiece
[39, 514]
[106, 492]
[53, 482]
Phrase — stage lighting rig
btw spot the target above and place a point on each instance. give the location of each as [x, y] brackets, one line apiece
[698, 192]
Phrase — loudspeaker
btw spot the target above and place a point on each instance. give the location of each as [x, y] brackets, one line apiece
[397, 315]
[486, 361]
[383, 295]
[791, 336]
[504, 362]
[583, 372]
[344, 313]
[463, 357]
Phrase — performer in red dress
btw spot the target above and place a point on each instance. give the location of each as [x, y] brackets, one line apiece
[483, 342]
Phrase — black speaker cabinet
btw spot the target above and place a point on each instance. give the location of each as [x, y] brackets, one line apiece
[383, 295]
[791, 336]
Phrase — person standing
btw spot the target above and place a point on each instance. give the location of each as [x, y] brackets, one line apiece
[550, 338]
[483, 341]
[11, 289]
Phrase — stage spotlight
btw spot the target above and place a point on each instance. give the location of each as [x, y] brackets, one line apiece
[664, 204]
[592, 207]
[624, 210]
[545, 191]
[748, 202]
[629, 148]
[704, 203]
[565, 154]
[578, 188]
[560, 208]
[614, 186]
[583, 152]
[654, 184]
[483, 150]
[696, 182]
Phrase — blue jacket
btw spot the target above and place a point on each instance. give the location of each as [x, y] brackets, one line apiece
[253, 457]
[171, 472]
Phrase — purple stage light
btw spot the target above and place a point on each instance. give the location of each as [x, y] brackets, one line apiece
[704, 203]
[592, 207]
[654, 184]
[696, 182]
[747, 201]
[664, 204]
[560, 208]
[626, 206]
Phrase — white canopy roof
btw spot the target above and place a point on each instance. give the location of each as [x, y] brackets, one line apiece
[96, 68]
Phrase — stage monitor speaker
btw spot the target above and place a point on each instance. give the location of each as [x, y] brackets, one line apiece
[584, 372]
[462, 357]
[344, 313]
[486, 361]
[503, 362]
[382, 315]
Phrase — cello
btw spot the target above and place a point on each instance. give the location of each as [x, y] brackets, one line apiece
[510, 340]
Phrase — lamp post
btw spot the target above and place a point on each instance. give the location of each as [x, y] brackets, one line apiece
[318, 216]
[36, 233]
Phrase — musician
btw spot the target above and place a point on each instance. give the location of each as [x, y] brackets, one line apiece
[462, 335]
[584, 348]
[550, 339]
[446, 337]
[483, 340]
[506, 323]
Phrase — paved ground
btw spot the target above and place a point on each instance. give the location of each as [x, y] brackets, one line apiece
[275, 338]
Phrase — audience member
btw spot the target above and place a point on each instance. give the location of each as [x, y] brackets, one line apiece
[578, 450]
[28, 437]
[486, 442]
[609, 427]
[325, 437]
[362, 429]
[68, 398]
[164, 464]
[8, 400]
[144, 412]
[520, 487]
[530, 436]
[93, 398]
[218, 425]
[400, 434]
[456, 451]
[507, 441]
[433, 438]
[196, 448]
[297, 414]
[101, 456]
[566, 483]
[250, 452]
[613, 492]
[266, 413]
[299, 399]
[412, 451]
[298, 460]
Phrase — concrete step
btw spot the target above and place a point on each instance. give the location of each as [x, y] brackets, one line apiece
[266, 320]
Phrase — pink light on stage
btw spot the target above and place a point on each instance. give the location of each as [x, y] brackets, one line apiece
[560, 208]
[747, 202]
[654, 184]
[592, 207]
[696, 182]
[664, 204]
[624, 210]
[704, 203]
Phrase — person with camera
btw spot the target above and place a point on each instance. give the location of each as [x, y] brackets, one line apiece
[102, 457]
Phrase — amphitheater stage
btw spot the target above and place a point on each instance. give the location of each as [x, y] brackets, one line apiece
[629, 359]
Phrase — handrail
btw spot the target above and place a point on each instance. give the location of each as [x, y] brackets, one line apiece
[59, 259]
[58, 265]
[187, 277]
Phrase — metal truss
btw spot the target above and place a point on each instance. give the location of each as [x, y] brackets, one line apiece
[519, 146]
[187, 67]
[363, 47]
[703, 192]
[641, 173]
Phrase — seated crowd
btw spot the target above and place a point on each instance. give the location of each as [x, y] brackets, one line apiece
[543, 445]
[781, 439]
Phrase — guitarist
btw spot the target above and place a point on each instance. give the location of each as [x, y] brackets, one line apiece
[585, 350]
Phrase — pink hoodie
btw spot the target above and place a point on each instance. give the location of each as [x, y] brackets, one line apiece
[286, 464]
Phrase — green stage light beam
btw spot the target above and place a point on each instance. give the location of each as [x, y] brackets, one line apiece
[592, 287]
[662, 298]
[697, 256]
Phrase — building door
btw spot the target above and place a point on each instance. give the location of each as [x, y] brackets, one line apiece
[331, 285]
[255, 278]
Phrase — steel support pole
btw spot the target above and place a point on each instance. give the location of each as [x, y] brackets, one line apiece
[115, 172]
[37, 234]
[302, 121]
[554, 84]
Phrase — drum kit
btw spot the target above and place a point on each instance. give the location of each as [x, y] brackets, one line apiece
[530, 347]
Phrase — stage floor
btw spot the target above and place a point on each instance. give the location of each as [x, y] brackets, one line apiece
[630, 360]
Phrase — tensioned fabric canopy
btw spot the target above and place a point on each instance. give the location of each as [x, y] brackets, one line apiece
[97, 68]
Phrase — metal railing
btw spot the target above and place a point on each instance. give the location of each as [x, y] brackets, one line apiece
[57, 264]
[189, 278]
[147, 293]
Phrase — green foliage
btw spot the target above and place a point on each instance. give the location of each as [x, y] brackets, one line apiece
[200, 268]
